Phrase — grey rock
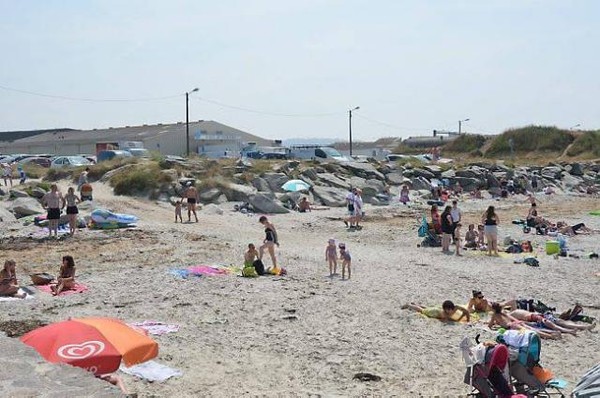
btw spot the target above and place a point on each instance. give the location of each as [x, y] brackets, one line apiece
[110, 174]
[265, 204]
[420, 183]
[575, 169]
[210, 195]
[294, 197]
[2, 192]
[395, 178]
[492, 180]
[423, 173]
[551, 172]
[357, 182]
[470, 184]
[332, 180]
[275, 180]
[364, 170]
[238, 193]
[330, 196]
[6, 216]
[569, 181]
[26, 207]
[472, 172]
[310, 173]
[434, 169]
[37, 192]
[212, 208]
[377, 185]
[260, 184]
[15, 193]
[222, 199]
[450, 173]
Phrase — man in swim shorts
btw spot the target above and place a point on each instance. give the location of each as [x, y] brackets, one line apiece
[191, 195]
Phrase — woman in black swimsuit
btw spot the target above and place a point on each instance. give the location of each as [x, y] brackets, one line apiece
[270, 240]
[447, 229]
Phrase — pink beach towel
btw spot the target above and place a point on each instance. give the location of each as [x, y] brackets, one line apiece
[207, 270]
[78, 288]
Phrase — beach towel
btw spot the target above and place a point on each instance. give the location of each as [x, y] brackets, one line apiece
[207, 270]
[156, 328]
[151, 371]
[77, 288]
[22, 290]
[183, 273]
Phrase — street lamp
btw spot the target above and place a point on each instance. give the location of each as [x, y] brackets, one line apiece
[187, 121]
[460, 122]
[350, 125]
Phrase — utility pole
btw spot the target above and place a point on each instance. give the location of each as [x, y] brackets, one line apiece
[350, 126]
[187, 121]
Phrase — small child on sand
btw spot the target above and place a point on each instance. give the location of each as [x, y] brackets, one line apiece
[346, 260]
[458, 238]
[481, 238]
[331, 257]
[471, 237]
[178, 211]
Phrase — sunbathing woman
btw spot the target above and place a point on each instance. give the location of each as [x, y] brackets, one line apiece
[478, 303]
[66, 276]
[576, 229]
[270, 240]
[8, 280]
[509, 322]
[549, 321]
[446, 313]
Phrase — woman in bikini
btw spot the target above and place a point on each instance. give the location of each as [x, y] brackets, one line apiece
[478, 303]
[507, 321]
[71, 201]
[490, 220]
[66, 276]
[270, 240]
[8, 280]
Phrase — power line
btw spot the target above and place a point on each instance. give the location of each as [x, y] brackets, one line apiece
[259, 112]
[61, 97]
[392, 126]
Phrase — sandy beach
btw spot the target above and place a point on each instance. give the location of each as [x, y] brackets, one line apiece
[305, 334]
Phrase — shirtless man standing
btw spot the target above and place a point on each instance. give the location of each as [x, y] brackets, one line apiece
[53, 201]
[191, 194]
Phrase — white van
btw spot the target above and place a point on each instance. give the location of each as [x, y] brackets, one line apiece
[317, 152]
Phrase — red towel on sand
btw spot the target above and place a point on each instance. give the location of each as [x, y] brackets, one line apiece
[78, 288]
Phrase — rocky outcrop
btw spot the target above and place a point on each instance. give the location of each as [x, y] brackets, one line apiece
[238, 192]
[26, 207]
[330, 196]
[262, 203]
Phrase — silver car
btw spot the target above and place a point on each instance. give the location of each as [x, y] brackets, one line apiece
[69, 161]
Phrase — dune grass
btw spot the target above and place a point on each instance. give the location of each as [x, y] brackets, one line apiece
[530, 139]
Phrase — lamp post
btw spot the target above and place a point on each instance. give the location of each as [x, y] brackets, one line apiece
[350, 125]
[187, 121]
[460, 122]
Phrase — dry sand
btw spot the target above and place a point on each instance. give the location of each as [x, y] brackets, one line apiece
[305, 334]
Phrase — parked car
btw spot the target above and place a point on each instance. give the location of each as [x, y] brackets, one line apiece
[69, 161]
[40, 161]
[91, 158]
[139, 152]
[111, 154]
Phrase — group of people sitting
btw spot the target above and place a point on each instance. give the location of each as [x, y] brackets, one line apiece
[543, 226]
[511, 315]
[9, 285]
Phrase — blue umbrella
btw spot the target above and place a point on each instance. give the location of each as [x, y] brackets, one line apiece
[295, 185]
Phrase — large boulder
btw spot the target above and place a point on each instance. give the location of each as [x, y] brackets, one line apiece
[364, 170]
[275, 180]
[449, 174]
[330, 196]
[310, 173]
[395, 178]
[15, 193]
[26, 207]
[265, 204]
[575, 169]
[38, 192]
[6, 216]
[420, 183]
[238, 193]
[333, 181]
[470, 184]
[422, 173]
[434, 169]
[213, 209]
[210, 195]
[551, 172]
[569, 181]
[260, 184]
[472, 172]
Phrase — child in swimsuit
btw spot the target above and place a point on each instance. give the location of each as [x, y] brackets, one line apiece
[331, 257]
[458, 238]
[249, 257]
[346, 260]
[178, 211]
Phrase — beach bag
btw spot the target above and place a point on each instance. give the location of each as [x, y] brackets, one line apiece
[532, 262]
[259, 267]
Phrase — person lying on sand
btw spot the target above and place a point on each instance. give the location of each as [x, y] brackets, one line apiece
[8, 280]
[444, 314]
[549, 321]
[501, 320]
[66, 276]
[577, 229]
[478, 303]
[117, 381]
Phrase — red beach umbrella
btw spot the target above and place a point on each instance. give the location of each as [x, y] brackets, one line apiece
[95, 344]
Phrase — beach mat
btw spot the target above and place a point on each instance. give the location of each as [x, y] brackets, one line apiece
[151, 371]
[156, 328]
[78, 288]
[29, 292]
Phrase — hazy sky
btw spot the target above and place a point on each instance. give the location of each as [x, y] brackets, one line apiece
[412, 66]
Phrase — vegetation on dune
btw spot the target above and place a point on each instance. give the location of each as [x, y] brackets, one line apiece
[99, 169]
[59, 174]
[139, 180]
[34, 171]
[407, 150]
[587, 143]
[466, 143]
[530, 139]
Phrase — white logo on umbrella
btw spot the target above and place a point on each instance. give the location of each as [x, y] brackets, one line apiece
[80, 351]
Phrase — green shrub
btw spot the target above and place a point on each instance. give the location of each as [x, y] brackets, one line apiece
[465, 143]
[59, 174]
[34, 171]
[99, 169]
[586, 143]
[530, 139]
[139, 180]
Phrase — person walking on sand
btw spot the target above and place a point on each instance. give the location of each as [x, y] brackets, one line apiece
[71, 201]
[490, 220]
[331, 257]
[83, 178]
[269, 242]
[7, 174]
[456, 216]
[346, 261]
[404, 194]
[191, 195]
[447, 230]
[350, 207]
[178, 211]
[52, 202]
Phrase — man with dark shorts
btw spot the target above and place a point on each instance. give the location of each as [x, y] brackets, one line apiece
[191, 194]
[53, 201]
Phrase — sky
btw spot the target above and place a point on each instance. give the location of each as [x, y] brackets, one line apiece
[293, 69]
